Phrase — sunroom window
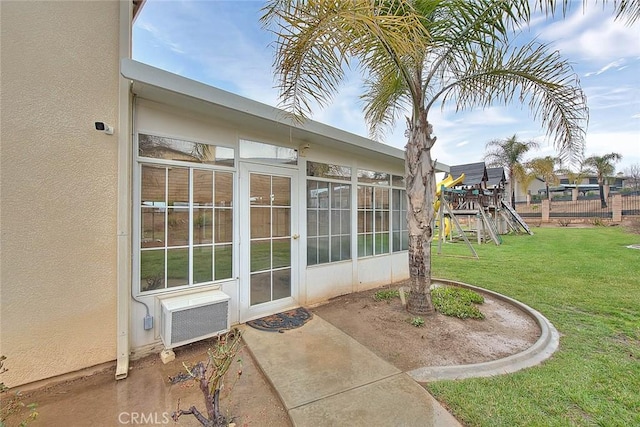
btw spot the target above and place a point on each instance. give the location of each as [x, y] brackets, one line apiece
[373, 212]
[185, 218]
[328, 213]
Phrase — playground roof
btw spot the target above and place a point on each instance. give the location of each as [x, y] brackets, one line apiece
[496, 177]
[474, 173]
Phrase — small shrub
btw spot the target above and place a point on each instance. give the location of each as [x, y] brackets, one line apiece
[457, 302]
[598, 222]
[386, 295]
[11, 405]
[564, 222]
[418, 321]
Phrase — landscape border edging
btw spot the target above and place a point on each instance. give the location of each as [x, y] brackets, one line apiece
[540, 351]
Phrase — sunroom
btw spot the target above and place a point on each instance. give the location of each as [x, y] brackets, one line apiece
[232, 197]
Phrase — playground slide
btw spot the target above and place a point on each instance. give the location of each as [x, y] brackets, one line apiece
[447, 182]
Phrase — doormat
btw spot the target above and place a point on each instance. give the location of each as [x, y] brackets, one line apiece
[282, 321]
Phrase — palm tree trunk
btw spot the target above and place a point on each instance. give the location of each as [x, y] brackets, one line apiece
[420, 181]
[512, 188]
[603, 201]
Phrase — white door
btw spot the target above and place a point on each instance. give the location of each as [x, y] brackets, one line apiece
[268, 240]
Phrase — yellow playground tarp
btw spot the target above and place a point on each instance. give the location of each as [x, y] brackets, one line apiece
[447, 182]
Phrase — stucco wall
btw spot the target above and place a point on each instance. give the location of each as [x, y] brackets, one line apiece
[58, 186]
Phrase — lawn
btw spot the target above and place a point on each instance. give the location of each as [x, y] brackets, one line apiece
[587, 283]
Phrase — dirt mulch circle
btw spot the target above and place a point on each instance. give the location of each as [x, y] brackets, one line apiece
[384, 327]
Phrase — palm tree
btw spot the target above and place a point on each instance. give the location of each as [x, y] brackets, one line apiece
[508, 153]
[604, 168]
[544, 168]
[417, 54]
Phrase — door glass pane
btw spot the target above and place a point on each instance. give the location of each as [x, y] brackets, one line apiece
[281, 189]
[260, 191]
[260, 222]
[202, 264]
[260, 255]
[281, 283]
[270, 241]
[260, 288]
[281, 222]
[281, 253]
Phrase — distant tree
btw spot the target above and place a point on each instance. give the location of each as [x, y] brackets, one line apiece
[632, 173]
[603, 167]
[545, 169]
[508, 153]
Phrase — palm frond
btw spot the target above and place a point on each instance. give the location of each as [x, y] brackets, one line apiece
[530, 74]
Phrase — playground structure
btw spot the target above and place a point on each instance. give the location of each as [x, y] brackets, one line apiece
[470, 202]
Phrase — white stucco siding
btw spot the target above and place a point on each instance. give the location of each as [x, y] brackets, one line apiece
[58, 185]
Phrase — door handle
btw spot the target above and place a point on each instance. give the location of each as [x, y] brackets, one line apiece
[295, 236]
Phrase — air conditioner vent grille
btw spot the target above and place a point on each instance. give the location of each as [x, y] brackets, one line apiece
[189, 324]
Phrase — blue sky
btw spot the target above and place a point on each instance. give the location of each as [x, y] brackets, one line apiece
[222, 44]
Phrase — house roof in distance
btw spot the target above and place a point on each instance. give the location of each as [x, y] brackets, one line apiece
[171, 89]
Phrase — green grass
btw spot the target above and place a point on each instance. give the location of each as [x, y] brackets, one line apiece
[588, 285]
[457, 302]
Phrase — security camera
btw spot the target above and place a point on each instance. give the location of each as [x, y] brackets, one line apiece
[102, 126]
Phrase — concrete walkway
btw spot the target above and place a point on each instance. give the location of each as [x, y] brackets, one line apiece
[326, 378]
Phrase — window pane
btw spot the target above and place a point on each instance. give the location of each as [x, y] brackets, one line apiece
[177, 267]
[159, 147]
[345, 218]
[153, 186]
[281, 253]
[178, 187]
[398, 181]
[345, 243]
[312, 251]
[323, 195]
[282, 283]
[281, 222]
[224, 189]
[178, 222]
[223, 225]
[328, 171]
[312, 223]
[405, 240]
[267, 153]
[260, 288]
[382, 221]
[152, 228]
[396, 241]
[202, 264]
[335, 222]
[335, 249]
[373, 177]
[260, 255]
[202, 188]
[260, 222]
[365, 197]
[382, 243]
[323, 223]
[281, 189]
[323, 250]
[223, 262]
[365, 245]
[381, 198]
[202, 226]
[151, 270]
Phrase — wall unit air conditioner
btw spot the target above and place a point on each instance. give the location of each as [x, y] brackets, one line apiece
[189, 318]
